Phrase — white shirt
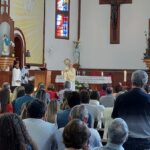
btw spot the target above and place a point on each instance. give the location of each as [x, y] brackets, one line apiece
[96, 112]
[16, 77]
[25, 75]
[94, 102]
[41, 132]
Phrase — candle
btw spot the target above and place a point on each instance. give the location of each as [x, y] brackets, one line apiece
[125, 76]
[62, 73]
[102, 73]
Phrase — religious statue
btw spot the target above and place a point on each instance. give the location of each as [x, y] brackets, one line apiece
[69, 73]
[76, 54]
[147, 53]
[6, 45]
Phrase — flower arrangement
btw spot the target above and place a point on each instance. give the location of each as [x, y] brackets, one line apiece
[78, 85]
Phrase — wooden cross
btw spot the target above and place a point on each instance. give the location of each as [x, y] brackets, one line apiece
[115, 18]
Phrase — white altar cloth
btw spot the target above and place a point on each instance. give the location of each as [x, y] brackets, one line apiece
[87, 79]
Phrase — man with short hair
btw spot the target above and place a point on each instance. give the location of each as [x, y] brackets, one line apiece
[40, 131]
[117, 135]
[78, 112]
[96, 111]
[108, 100]
[67, 87]
[29, 88]
[134, 108]
[63, 115]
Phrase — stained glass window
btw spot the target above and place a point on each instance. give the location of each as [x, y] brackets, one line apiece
[63, 5]
[62, 19]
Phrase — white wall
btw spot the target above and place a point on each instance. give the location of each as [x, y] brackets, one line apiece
[56, 50]
[96, 52]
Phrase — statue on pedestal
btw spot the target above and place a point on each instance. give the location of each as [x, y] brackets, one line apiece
[6, 45]
[76, 53]
[147, 53]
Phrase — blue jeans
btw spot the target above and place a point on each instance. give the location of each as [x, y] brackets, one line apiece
[137, 144]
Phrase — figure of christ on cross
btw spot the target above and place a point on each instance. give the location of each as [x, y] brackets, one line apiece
[115, 18]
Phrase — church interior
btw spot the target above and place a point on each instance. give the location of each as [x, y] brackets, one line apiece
[108, 41]
[104, 42]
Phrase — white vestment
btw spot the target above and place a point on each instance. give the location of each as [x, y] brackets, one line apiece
[70, 75]
[16, 77]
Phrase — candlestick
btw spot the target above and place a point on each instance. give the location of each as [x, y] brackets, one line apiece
[125, 76]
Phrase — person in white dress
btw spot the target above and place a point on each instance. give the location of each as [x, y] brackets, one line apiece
[16, 75]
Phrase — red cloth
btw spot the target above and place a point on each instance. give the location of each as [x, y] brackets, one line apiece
[53, 95]
[9, 108]
[102, 93]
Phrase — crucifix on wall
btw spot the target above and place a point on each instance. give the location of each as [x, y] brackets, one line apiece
[115, 18]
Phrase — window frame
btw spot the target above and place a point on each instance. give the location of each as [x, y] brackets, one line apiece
[64, 13]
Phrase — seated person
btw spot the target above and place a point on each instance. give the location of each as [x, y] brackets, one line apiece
[40, 131]
[117, 135]
[96, 111]
[52, 93]
[63, 115]
[77, 112]
[13, 134]
[76, 135]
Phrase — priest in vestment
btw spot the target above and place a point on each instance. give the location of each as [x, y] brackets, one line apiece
[69, 73]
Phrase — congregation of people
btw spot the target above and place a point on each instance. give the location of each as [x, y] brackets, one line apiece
[114, 118]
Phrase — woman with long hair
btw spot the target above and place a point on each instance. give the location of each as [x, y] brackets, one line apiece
[13, 134]
[52, 112]
[18, 92]
[42, 96]
[5, 103]
[52, 93]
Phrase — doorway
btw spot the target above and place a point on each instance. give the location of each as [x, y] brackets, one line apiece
[19, 49]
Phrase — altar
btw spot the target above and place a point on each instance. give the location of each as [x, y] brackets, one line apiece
[87, 79]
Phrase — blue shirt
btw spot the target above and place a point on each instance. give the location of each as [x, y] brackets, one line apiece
[20, 101]
[63, 117]
[110, 146]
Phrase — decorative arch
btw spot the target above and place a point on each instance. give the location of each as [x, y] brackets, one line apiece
[20, 46]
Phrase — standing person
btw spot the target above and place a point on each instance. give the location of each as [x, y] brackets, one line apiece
[69, 73]
[134, 108]
[16, 75]
[25, 74]
[13, 134]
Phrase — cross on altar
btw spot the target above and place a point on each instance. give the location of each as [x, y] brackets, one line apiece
[115, 18]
